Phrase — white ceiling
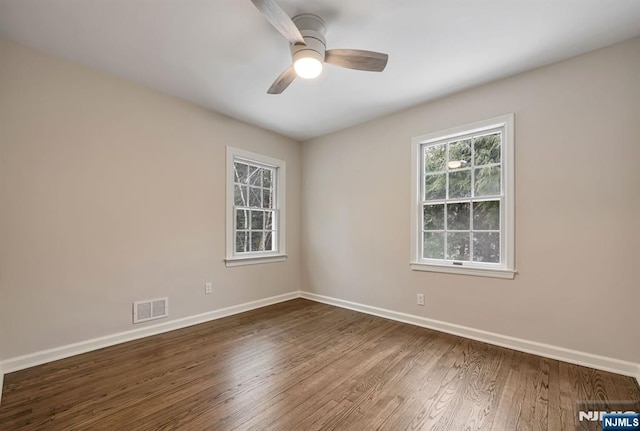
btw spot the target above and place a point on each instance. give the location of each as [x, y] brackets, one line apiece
[223, 55]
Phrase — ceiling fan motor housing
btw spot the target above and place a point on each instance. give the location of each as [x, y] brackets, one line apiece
[312, 28]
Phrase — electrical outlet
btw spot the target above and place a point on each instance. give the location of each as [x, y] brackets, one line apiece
[420, 299]
[208, 288]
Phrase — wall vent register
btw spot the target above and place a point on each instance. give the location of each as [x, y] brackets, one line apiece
[150, 309]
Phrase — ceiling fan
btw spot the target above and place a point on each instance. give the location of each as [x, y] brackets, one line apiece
[305, 33]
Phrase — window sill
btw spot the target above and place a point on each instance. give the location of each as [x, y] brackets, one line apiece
[478, 272]
[254, 260]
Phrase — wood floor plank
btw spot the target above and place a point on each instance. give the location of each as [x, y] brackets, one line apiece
[301, 365]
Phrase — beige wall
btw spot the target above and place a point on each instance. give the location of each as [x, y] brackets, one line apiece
[577, 209]
[110, 193]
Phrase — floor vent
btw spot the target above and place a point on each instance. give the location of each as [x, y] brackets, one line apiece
[150, 309]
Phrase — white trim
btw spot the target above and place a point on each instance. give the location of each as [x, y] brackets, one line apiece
[44, 356]
[231, 258]
[1, 382]
[546, 350]
[254, 260]
[507, 221]
[638, 375]
[450, 269]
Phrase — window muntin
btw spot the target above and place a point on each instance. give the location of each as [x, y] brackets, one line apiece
[463, 200]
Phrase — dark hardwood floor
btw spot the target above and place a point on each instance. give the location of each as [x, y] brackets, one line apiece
[301, 365]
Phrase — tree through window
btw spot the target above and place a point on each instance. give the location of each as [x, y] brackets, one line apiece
[462, 198]
[254, 207]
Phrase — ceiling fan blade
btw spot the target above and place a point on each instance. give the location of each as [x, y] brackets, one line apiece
[282, 81]
[357, 59]
[280, 20]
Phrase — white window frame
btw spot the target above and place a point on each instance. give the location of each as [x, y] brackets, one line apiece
[250, 258]
[506, 269]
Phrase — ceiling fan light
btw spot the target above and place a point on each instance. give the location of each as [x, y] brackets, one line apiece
[308, 67]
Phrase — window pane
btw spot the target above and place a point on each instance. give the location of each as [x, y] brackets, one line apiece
[460, 154]
[434, 158]
[255, 197]
[486, 215]
[435, 187]
[268, 241]
[487, 149]
[241, 242]
[266, 178]
[255, 176]
[240, 172]
[486, 247]
[257, 241]
[458, 246]
[487, 181]
[241, 219]
[268, 219]
[433, 245]
[459, 216]
[459, 184]
[240, 195]
[257, 219]
[434, 217]
[266, 198]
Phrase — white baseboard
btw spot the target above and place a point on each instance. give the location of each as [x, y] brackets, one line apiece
[1, 382]
[44, 356]
[546, 350]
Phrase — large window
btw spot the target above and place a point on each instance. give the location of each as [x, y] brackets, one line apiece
[255, 208]
[463, 206]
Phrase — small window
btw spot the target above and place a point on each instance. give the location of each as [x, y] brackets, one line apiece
[463, 207]
[255, 208]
